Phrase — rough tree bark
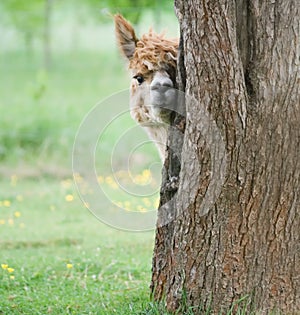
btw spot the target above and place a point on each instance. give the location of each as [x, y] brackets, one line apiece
[240, 60]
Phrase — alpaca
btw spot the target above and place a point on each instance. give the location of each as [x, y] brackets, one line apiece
[152, 61]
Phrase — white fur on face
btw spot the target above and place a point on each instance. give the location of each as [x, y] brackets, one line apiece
[149, 102]
[156, 96]
[162, 92]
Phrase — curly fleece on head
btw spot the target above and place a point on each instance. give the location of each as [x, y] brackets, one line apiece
[154, 52]
[150, 53]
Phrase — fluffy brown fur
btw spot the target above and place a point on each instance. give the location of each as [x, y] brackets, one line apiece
[125, 36]
[153, 52]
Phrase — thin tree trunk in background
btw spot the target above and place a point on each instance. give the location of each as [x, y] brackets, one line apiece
[240, 60]
[47, 34]
[28, 45]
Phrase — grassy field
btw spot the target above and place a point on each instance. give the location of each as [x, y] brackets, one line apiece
[56, 257]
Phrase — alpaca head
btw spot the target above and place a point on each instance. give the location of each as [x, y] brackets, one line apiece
[152, 61]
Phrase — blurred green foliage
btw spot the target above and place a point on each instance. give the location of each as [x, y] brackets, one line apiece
[133, 9]
[26, 16]
[34, 19]
[41, 111]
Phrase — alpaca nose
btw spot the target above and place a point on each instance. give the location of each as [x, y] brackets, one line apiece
[161, 84]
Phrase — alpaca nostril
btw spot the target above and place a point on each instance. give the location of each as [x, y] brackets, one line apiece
[155, 87]
[168, 84]
[161, 87]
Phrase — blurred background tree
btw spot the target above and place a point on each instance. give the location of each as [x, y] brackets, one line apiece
[33, 19]
[27, 17]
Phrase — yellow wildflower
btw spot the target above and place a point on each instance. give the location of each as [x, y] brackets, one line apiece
[6, 203]
[19, 198]
[10, 270]
[146, 174]
[111, 182]
[156, 203]
[141, 208]
[69, 266]
[144, 178]
[114, 185]
[13, 180]
[69, 198]
[67, 183]
[147, 202]
[17, 214]
[4, 266]
[2, 222]
[108, 179]
[77, 177]
[12, 277]
[127, 205]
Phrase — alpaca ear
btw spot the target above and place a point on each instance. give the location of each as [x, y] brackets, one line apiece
[125, 36]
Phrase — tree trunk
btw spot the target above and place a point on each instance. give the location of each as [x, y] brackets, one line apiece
[236, 237]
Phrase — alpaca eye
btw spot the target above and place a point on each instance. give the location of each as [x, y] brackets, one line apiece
[139, 78]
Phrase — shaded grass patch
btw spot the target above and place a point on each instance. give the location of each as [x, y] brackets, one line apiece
[39, 244]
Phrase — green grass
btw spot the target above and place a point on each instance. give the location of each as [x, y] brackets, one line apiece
[41, 232]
